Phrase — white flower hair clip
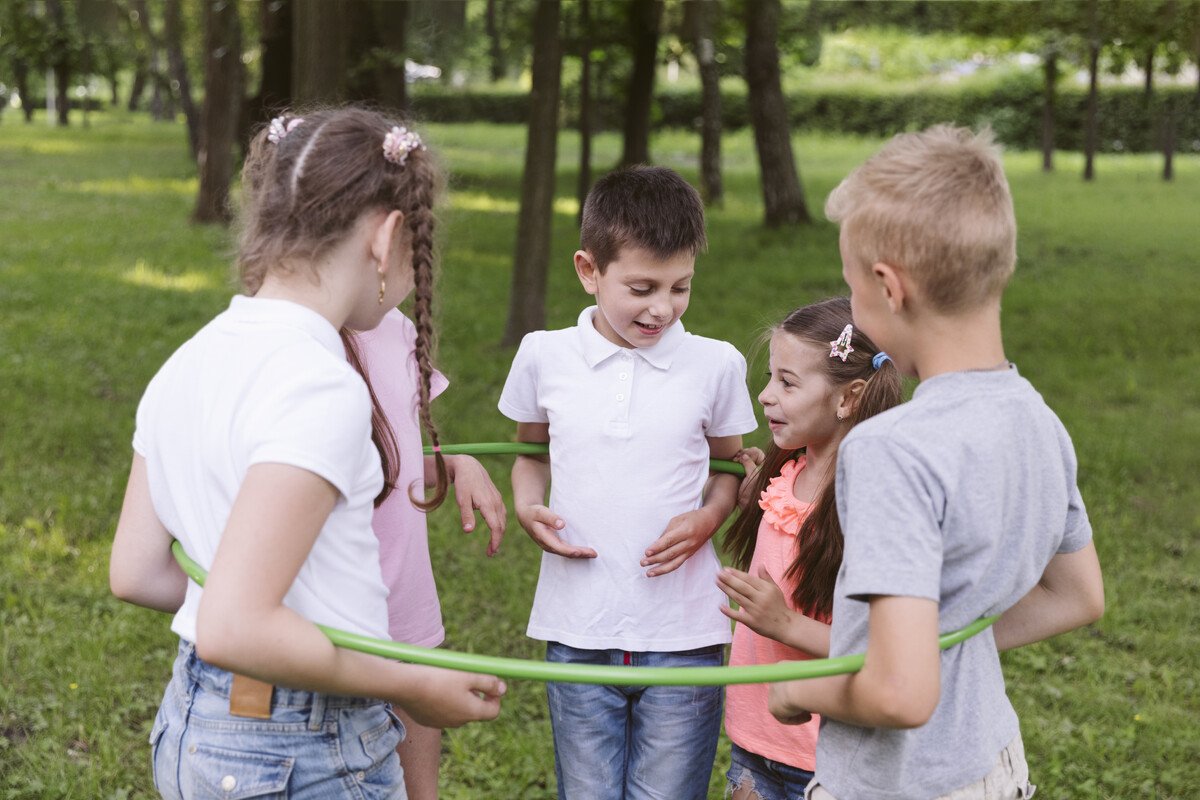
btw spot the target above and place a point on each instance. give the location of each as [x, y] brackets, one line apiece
[278, 130]
[840, 347]
[398, 143]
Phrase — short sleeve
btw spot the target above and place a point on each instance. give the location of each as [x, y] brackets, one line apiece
[319, 420]
[732, 410]
[888, 504]
[1078, 529]
[519, 398]
[143, 422]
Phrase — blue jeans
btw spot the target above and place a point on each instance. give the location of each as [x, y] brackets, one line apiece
[314, 746]
[767, 779]
[634, 742]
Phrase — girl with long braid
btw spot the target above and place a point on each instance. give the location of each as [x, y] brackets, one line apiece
[254, 448]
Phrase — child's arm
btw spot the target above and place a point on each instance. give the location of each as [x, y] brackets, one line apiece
[898, 686]
[473, 489]
[243, 626]
[688, 532]
[1070, 594]
[141, 569]
[530, 478]
[762, 608]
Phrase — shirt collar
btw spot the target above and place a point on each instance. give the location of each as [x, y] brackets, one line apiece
[285, 312]
[597, 349]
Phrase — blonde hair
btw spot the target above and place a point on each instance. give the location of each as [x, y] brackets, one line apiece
[935, 203]
[305, 183]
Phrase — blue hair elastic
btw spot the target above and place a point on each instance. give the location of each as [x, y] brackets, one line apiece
[879, 358]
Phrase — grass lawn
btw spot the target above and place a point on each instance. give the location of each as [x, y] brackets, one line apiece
[101, 277]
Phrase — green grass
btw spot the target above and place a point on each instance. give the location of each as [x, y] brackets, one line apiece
[101, 277]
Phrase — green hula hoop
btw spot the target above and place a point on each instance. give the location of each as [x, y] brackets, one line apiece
[534, 449]
[521, 669]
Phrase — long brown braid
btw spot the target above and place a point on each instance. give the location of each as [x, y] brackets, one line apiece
[301, 195]
[818, 553]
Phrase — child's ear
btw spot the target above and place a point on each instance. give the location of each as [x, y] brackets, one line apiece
[585, 268]
[893, 282]
[385, 238]
[850, 397]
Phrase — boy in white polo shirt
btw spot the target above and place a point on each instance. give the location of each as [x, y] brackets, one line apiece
[633, 407]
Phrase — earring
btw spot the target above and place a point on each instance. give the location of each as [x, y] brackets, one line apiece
[841, 417]
[382, 289]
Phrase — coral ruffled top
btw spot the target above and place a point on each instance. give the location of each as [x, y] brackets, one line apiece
[747, 720]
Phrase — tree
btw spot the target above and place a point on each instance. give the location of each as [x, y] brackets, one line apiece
[23, 45]
[173, 42]
[698, 22]
[222, 107]
[319, 59]
[644, 19]
[1091, 122]
[496, 65]
[527, 300]
[584, 184]
[783, 196]
[61, 47]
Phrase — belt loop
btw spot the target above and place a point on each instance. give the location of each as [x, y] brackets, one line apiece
[316, 715]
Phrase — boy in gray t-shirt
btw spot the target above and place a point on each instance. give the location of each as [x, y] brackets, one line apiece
[960, 504]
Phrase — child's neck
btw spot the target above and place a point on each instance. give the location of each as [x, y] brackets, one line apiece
[969, 340]
[819, 459]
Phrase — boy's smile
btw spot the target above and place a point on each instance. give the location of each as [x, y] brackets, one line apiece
[639, 295]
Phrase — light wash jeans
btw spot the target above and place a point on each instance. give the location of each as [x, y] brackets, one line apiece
[313, 747]
[634, 742]
[767, 779]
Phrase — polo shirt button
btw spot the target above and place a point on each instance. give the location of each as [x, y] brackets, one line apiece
[623, 375]
[620, 398]
[229, 783]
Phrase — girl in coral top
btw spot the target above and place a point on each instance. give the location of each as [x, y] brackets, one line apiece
[825, 376]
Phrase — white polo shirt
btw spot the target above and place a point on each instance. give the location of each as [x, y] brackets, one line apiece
[627, 453]
[267, 381]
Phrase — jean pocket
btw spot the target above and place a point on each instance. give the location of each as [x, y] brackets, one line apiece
[214, 772]
[378, 742]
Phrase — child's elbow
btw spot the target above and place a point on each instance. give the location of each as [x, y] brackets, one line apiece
[1093, 606]
[906, 711]
[216, 641]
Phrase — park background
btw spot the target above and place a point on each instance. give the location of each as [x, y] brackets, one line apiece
[118, 151]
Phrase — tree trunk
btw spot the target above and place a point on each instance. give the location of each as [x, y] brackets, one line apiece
[173, 33]
[1148, 69]
[783, 196]
[1049, 87]
[21, 76]
[138, 88]
[495, 51]
[644, 18]
[1093, 59]
[1168, 139]
[585, 107]
[59, 63]
[319, 59]
[222, 106]
[275, 41]
[392, 88]
[527, 300]
[699, 24]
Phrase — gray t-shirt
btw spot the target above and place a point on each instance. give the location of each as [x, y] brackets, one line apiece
[962, 496]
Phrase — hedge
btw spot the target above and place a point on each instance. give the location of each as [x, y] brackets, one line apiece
[1012, 107]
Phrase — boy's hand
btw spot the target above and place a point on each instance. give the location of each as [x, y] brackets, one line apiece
[751, 459]
[443, 698]
[783, 707]
[685, 534]
[761, 604]
[543, 526]
[473, 489]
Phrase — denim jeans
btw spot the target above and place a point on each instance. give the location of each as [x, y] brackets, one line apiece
[634, 742]
[767, 779]
[314, 746]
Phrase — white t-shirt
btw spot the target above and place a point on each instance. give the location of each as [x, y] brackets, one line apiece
[267, 382]
[627, 453]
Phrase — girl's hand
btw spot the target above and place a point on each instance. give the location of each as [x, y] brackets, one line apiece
[783, 707]
[685, 534]
[473, 489]
[762, 607]
[751, 459]
[443, 698]
[543, 526]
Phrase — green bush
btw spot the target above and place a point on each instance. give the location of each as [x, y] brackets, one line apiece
[1012, 106]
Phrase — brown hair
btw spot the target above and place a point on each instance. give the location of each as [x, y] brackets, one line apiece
[819, 541]
[653, 208]
[937, 204]
[304, 193]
